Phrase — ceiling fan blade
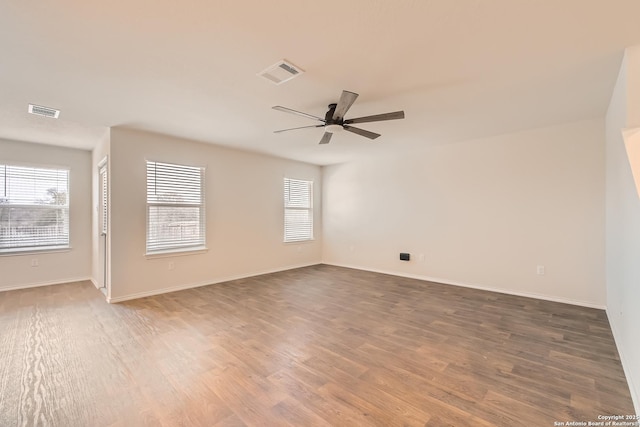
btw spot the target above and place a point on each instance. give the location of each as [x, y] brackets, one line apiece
[298, 113]
[326, 138]
[377, 118]
[301, 127]
[362, 132]
[346, 101]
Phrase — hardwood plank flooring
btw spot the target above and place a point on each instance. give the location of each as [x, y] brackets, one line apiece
[314, 346]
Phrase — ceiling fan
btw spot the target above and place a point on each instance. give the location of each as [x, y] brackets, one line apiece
[334, 121]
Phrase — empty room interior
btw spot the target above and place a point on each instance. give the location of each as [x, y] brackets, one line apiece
[370, 212]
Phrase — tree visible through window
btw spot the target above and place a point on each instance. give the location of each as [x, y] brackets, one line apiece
[34, 208]
[175, 207]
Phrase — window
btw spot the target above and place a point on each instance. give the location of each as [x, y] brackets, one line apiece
[175, 207]
[298, 210]
[34, 208]
[104, 199]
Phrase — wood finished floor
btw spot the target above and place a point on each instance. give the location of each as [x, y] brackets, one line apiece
[315, 346]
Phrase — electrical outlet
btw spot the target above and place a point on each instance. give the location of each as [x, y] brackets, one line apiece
[34, 262]
[171, 265]
[540, 270]
[421, 258]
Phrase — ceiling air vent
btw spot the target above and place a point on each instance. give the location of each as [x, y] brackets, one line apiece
[281, 72]
[44, 111]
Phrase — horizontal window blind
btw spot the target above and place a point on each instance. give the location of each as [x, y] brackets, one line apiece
[104, 200]
[298, 210]
[175, 207]
[34, 208]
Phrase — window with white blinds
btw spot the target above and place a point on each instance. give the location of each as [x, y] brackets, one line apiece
[104, 199]
[34, 208]
[298, 210]
[175, 207]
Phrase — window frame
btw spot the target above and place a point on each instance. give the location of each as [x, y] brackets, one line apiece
[308, 209]
[176, 249]
[66, 208]
[103, 194]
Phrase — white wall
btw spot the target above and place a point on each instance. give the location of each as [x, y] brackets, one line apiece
[54, 267]
[244, 211]
[484, 213]
[623, 223]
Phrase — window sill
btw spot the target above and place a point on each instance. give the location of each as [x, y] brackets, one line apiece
[295, 242]
[33, 251]
[177, 252]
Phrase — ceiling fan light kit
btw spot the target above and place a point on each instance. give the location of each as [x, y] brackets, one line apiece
[333, 128]
[334, 121]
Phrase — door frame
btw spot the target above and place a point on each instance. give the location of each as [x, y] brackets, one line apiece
[104, 224]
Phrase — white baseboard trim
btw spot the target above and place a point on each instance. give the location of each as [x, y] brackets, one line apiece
[102, 290]
[626, 366]
[96, 284]
[47, 283]
[205, 283]
[475, 286]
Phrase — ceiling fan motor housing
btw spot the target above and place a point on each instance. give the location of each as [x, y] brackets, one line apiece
[329, 116]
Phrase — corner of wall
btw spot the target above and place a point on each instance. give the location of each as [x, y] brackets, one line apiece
[623, 221]
[627, 365]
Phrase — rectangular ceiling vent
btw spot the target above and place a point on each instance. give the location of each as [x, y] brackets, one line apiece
[280, 72]
[39, 110]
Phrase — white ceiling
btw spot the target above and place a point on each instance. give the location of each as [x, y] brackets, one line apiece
[460, 69]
